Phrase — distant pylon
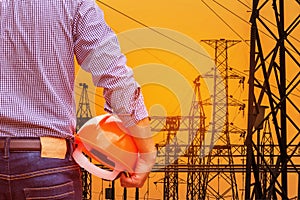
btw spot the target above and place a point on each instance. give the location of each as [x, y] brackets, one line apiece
[171, 179]
[84, 110]
[83, 115]
[226, 181]
[196, 138]
[169, 150]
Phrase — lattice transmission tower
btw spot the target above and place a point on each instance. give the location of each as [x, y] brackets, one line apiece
[173, 150]
[195, 152]
[84, 112]
[221, 148]
[168, 152]
[83, 115]
[171, 171]
[274, 83]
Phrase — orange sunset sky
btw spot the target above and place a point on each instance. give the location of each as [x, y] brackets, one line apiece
[162, 42]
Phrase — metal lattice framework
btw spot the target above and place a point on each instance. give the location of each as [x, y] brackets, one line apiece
[171, 174]
[168, 152]
[84, 110]
[83, 115]
[273, 82]
[203, 165]
[222, 147]
[196, 138]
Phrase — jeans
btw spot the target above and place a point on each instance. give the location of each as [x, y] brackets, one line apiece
[25, 175]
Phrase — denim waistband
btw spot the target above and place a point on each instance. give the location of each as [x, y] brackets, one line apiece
[14, 144]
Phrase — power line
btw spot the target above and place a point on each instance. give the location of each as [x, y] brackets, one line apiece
[154, 30]
[244, 4]
[225, 8]
[272, 85]
[249, 24]
[232, 12]
[168, 37]
[239, 17]
[266, 20]
[224, 21]
[93, 93]
[158, 32]
[94, 103]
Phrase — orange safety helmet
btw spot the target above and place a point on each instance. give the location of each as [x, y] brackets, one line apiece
[105, 139]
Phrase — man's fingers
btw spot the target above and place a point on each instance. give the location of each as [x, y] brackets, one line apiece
[135, 180]
[126, 181]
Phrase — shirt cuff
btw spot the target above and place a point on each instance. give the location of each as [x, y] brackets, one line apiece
[130, 117]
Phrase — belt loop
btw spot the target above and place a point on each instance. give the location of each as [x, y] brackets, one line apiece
[70, 148]
[6, 147]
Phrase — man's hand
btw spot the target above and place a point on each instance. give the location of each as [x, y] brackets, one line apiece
[146, 159]
[136, 180]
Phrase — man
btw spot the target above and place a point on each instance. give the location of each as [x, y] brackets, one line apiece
[37, 109]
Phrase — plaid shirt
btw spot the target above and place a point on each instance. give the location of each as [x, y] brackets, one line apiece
[39, 39]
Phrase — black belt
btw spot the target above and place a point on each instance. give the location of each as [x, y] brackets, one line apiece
[20, 144]
[27, 144]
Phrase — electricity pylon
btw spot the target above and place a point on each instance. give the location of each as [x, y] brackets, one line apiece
[221, 145]
[274, 79]
[83, 115]
[84, 110]
[196, 137]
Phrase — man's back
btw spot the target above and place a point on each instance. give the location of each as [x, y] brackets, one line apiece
[38, 42]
